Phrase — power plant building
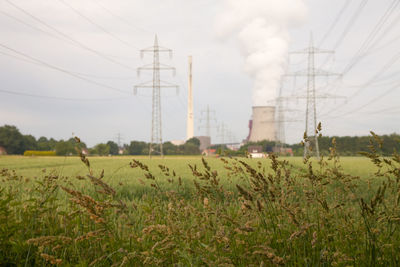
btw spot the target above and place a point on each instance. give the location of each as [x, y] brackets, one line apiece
[262, 126]
[205, 142]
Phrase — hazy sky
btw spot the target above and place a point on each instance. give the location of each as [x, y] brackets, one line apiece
[70, 66]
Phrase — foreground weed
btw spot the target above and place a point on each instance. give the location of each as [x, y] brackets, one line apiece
[276, 215]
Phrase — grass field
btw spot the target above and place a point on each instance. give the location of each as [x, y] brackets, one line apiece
[119, 174]
[184, 211]
[117, 168]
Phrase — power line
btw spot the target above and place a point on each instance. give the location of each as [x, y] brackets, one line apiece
[131, 25]
[347, 29]
[183, 105]
[45, 64]
[365, 46]
[378, 82]
[68, 38]
[97, 25]
[31, 26]
[336, 20]
[350, 24]
[391, 89]
[74, 72]
[21, 59]
[382, 35]
[391, 61]
[50, 34]
[56, 97]
[393, 109]
[382, 47]
[372, 35]
[183, 94]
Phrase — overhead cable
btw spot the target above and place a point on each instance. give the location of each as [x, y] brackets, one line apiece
[48, 65]
[69, 38]
[97, 25]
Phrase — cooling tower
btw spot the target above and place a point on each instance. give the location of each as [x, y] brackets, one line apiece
[262, 126]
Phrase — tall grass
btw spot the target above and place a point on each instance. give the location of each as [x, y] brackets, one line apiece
[253, 215]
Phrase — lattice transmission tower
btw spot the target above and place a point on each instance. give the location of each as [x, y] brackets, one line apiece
[119, 138]
[281, 118]
[156, 143]
[222, 132]
[311, 109]
[207, 119]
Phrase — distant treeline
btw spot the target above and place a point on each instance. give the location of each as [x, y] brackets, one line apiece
[352, 145]
[345, 145]
[16, 143]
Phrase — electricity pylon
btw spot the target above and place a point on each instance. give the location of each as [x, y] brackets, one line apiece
[280, 118]
[311, 110]
[119, 138]
[209, 116]
[280, 121]
[156, 145]
[222, 131]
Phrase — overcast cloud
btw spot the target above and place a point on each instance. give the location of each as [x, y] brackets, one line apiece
[96, 67]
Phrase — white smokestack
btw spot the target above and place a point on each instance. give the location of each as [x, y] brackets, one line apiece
[190, 125]
[262, 29]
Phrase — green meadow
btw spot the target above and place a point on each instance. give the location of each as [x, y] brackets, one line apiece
[194, 211]
[117, 168]
[130, 181]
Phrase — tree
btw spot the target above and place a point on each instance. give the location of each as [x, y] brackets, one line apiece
[11, 139]
[170, 149]
[193, 141]
[65, 148]
[43, 144]
[52, 143]
[114, 149]
[137, 148]
[101, 149]
[191, 147]
[29, 142]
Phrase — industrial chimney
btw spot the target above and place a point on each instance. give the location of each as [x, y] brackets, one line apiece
[262, 126]
[190, 126]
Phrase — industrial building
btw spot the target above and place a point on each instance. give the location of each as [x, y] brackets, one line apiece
[205, 142]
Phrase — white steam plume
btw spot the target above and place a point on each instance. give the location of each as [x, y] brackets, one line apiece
[262, 27]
